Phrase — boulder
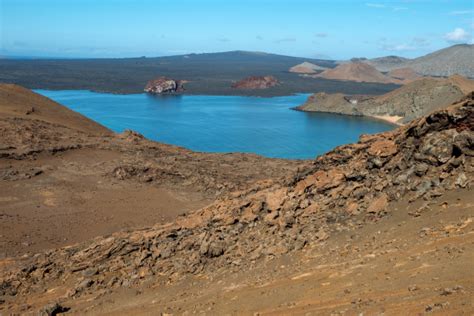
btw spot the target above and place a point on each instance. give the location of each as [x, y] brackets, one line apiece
[378, 205]
[383, 148]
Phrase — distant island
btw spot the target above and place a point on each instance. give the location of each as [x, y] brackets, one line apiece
[214, 73]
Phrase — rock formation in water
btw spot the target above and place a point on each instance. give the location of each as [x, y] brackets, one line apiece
[164, 85]
[256, 82]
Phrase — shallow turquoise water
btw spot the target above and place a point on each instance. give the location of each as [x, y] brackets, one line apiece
[264, 126]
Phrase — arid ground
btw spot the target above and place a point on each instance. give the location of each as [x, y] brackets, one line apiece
[100, 223]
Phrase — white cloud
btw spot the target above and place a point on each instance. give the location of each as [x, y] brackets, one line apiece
[459, 35]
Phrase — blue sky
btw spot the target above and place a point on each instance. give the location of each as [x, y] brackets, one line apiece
[329, 29]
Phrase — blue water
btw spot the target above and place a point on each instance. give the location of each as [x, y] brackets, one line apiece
[264, 126]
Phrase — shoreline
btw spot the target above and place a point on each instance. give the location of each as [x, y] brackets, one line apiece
[392, 120]
[388, 118]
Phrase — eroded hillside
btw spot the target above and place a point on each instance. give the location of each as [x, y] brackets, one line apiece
[380, 226]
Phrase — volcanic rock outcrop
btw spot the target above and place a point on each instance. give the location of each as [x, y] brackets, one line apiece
[164, 85]
[343, 190]
[256, 82]
[402, 105]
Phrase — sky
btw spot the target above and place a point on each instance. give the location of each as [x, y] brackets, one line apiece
[337, 29]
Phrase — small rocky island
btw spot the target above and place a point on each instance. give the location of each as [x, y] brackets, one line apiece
[256, 82]
[163, 85]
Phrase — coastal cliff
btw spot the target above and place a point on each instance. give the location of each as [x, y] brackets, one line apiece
[400, 106]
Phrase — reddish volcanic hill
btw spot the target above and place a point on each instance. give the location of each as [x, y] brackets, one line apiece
[404, 74]
[306, 68]
[256, 82]
[359, 72]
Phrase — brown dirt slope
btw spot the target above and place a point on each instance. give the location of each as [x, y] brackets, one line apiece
[380, 226]
[404, 74]
[16, 101]
[65, 179]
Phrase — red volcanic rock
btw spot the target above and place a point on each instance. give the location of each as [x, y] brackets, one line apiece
[405, 74]
[164, 85]
[256, 82]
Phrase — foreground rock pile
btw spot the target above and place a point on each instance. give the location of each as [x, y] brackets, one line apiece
[342, 190]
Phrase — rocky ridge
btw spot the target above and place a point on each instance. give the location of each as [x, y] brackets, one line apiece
[404, 104]
[456, 59]
[345, 189]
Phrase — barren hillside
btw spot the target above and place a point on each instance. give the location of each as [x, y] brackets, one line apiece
[359, 72]
[402, 105]
[381, 226]
[66, 179]
[456, 59]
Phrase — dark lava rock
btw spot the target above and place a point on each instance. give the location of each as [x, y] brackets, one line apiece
[53, 309]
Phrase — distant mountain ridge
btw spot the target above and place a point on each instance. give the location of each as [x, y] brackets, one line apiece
[356, 71]
[456, 59]
[206, 74]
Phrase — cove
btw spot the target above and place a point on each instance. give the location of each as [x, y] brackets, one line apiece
[264, 126]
